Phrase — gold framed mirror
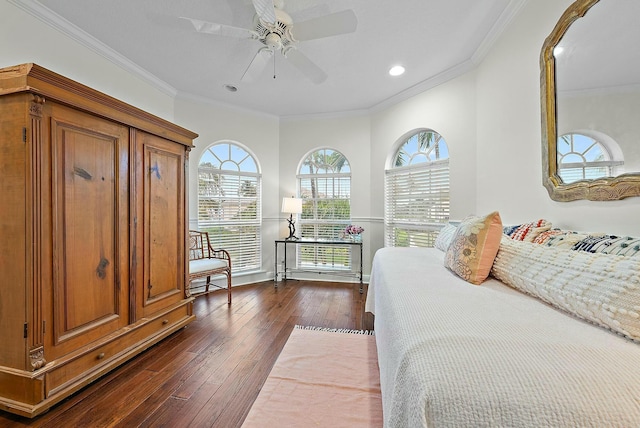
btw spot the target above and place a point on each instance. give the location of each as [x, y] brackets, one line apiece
[590, 91]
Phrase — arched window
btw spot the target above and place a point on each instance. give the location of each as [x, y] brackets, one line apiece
[583, 157]
[324, 184]
[229, 203]
[417, 191]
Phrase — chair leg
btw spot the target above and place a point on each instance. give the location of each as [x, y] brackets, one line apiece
[229, 287]
[207, 285]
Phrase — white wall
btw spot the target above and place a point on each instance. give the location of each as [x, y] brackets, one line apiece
[614, 113]
[448, 109]
[25, 39]
[368, 140]
[490, 118]
[350, 135]
[509, 134]
[259, 133]
[491, 121]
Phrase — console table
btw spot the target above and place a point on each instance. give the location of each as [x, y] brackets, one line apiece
[285, 243]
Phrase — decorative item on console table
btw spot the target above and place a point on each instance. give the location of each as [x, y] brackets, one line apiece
[352, 232]
[94, 259]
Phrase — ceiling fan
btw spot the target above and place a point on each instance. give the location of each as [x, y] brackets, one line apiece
[274, 28]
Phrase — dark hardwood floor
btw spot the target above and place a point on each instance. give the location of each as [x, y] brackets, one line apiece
[209, 373]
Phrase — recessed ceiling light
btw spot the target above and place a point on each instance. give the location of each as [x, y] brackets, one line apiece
[230, 88]
[396, 70]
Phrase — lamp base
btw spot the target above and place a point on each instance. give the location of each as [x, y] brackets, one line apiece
[292, 230]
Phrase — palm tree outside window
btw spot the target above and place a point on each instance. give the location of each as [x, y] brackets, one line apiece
[417, 191]
[324, 184]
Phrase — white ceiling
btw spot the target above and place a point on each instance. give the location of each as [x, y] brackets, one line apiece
[433, 39]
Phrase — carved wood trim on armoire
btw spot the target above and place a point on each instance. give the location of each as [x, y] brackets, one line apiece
[93, 235]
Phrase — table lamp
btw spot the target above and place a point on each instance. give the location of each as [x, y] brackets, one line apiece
[291, 206]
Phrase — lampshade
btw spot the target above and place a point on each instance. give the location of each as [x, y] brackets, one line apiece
[292, 205]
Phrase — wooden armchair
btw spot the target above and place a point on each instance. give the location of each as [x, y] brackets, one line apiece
[204, 261]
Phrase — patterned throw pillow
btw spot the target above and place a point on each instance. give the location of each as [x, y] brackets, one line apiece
[529, 231]
[565, 240]
[445, 236]
[626, 246]
[509, 230]
[603, 289]
[610, 244]
[594, 244]
[474, 246]
[543, 237]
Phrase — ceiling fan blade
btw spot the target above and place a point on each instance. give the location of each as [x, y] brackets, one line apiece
[308, 67]
[221, 29]
[265, 10]
[325, 26]
[257, 65]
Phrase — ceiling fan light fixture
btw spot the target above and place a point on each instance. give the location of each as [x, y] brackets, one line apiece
[396, 70]
[273, 41]
[272, 27]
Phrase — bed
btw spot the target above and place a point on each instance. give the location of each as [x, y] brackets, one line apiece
[456, 354]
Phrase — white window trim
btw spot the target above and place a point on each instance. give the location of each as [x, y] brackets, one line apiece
[248, 253]
[614, 158]
[414, 228]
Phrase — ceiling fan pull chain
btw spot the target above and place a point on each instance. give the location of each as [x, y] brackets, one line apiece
[274, 65]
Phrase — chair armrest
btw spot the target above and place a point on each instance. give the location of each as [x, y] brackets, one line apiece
[219, 254]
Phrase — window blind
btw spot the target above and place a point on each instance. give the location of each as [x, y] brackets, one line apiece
[229, 208]
[416, 203]
[571, 172]
[326, 212]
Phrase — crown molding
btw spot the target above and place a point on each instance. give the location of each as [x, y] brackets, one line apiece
[74, 32]
[633, 88]
[50, 18]
[485, 46]
[498, 28]
[423, 86]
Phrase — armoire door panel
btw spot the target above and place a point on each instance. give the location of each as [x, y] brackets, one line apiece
[162, 172]
[90, 227]
[162, 211]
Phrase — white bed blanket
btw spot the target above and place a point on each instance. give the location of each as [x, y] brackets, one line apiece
[453, 354]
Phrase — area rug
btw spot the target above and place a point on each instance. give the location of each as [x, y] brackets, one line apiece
[322, 378]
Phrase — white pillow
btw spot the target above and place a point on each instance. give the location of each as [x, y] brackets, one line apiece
[601, 288]
[445, 236]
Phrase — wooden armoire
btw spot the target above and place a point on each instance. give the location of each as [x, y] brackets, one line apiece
[93, 235]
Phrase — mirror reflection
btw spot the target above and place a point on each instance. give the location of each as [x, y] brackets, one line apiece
[591, 102]
[598, 93]
[584, 157]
